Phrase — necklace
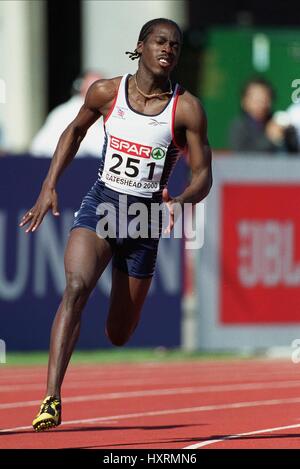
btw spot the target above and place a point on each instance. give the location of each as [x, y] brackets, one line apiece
[154, 95]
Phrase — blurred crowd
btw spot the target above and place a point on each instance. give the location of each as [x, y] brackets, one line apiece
[45, 141]
[257, 128]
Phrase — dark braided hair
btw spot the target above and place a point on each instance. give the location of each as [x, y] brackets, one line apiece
[147, 29]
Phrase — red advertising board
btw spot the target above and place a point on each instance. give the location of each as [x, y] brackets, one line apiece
[260, 254]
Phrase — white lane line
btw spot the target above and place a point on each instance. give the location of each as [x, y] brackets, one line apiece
[106, 396]
[95, 374]
[232, 376]
[69, 422]
[156, 413]
[69, 384]
[238, 435]
[160, 392]
[73, 373]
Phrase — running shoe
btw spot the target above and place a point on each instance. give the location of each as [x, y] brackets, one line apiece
[49, 415]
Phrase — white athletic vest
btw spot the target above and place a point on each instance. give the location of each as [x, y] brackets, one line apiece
[139, 150]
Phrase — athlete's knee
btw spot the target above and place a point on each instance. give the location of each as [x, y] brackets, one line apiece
[76, 289]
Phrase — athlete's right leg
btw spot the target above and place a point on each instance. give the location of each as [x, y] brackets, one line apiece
[86, 257]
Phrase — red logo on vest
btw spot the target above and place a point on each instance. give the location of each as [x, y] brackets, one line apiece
[130, 148]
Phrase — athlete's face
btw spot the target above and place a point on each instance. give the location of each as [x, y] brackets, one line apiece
[161, 49]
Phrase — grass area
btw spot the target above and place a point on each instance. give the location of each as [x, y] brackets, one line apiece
[124, 355]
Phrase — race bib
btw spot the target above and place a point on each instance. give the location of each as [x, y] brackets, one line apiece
[132, 167]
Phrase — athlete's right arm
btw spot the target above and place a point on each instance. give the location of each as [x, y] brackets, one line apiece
[97, 102]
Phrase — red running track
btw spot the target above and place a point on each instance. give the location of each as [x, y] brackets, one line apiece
[199, 404]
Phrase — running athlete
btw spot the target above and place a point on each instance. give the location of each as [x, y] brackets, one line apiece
[148, 121]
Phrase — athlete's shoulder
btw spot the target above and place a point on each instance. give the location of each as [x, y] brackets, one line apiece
[188, 101]
[106, 86]
[189, 107]
[102, 91]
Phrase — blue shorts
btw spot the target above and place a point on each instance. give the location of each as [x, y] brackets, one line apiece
[132, 254]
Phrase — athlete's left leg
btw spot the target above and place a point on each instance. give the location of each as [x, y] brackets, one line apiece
[126, 301]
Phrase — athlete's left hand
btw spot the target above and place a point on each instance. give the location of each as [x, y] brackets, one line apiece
[167, 199]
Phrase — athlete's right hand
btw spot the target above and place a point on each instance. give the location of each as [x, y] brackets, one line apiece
[47, 200]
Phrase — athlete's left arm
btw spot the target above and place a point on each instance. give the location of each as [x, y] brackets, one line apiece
[193, 119]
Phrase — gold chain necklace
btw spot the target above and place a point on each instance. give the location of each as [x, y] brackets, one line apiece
[154, 95]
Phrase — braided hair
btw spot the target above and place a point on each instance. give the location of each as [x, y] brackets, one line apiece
[147, 29]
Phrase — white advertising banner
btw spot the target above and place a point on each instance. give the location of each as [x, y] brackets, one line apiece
[248, 271]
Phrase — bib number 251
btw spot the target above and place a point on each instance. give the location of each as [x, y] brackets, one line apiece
[132, 167]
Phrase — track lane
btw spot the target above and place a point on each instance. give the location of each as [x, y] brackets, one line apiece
[172, 420]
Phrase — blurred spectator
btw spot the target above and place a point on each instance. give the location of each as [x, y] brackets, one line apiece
[293, 115]
[256, 130]
[45, 141]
